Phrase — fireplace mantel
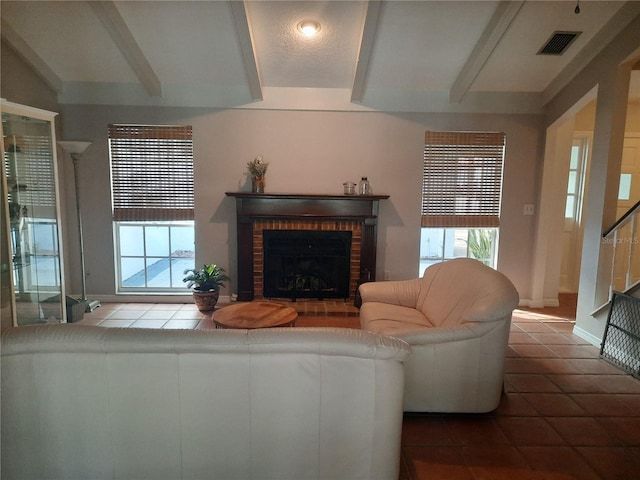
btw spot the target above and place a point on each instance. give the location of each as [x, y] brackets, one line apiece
[304, 205]
[255, 207]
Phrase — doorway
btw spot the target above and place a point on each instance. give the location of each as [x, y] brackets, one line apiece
[572, 228]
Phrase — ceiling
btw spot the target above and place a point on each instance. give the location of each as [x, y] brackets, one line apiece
[391, 55]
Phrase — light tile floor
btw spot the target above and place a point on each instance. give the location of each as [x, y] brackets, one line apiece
[566, 413]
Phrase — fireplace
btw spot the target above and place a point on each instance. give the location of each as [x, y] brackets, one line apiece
[306, 264]
[305, 215]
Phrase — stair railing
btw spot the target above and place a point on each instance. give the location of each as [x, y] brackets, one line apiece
[621, 341]
[624, 239]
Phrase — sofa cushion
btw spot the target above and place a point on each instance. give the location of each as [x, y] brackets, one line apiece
[393, 320]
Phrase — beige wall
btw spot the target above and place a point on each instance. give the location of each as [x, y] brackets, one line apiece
[309, 152]
[632, 125]
[19, 84]
[585, 118]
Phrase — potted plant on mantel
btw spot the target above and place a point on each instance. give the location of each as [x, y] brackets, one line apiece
[206, 283]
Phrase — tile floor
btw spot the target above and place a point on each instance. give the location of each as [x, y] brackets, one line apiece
[566, 414]
[330, 313]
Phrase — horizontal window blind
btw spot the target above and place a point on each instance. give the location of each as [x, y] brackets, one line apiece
[462, 179]
[151, 172]
[30, 174]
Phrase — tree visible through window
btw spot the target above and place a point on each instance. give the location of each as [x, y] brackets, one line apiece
[461, 196]
[153, 205]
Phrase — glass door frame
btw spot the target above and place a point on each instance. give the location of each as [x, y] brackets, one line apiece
[47, 116]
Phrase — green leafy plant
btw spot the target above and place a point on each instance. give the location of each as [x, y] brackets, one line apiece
[480, 245]
[209, 277]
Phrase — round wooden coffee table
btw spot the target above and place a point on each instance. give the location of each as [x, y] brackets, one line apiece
[255, 314]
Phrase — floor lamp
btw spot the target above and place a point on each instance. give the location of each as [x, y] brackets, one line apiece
[76, 149]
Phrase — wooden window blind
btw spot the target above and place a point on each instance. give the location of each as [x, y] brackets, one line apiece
[29, 164]
[151, 172]
[462, 179]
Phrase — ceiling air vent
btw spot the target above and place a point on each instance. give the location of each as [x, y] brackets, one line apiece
[558, 43]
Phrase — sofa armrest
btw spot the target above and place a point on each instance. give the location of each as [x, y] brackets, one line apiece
[398, 292]
[429, 336]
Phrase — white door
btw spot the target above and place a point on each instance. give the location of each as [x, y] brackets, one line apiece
[572, 231]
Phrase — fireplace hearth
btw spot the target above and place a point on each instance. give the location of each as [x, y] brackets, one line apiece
[306, 264]
[257, 214]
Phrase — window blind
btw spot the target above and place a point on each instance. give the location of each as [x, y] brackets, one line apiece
[30, 166]
[462, 179]
[151, 172]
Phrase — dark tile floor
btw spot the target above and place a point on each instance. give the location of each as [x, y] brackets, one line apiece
[565, 413]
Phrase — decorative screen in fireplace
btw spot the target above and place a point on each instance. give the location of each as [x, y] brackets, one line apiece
[306, 264]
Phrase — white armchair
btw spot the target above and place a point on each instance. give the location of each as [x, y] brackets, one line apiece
[457, 319]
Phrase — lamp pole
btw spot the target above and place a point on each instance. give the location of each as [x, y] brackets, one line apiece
[74, 157]
[75, 149]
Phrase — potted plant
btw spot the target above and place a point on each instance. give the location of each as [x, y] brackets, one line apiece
[205, 283]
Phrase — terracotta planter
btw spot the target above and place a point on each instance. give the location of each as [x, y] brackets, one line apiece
[206, 301]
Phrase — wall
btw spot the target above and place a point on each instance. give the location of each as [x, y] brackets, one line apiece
[632, 125]
[308, 152]
[584, 118]
[19, 84]
[609, 71]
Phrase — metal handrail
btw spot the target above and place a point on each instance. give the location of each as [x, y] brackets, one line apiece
[623, 237]
[622, 219]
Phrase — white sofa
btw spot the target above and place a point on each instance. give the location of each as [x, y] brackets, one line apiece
[457, 319]
[84, 402]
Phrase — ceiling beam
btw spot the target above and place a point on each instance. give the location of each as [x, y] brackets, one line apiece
[24, 51]
[495, 29]
[369, 32]
[243, 30]
[109, 15]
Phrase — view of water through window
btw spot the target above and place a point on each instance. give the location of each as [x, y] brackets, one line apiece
[154, 254]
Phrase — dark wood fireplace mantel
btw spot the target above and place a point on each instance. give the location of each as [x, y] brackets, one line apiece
[254, 207]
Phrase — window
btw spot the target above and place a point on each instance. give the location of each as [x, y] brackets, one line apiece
[461, 195]
[153, 206]
[575, 184]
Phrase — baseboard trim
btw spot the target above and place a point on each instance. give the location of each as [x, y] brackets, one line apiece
[145, 298]
[546, 302]
[583, 334]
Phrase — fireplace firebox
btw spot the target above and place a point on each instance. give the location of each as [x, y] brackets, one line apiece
[306, 264]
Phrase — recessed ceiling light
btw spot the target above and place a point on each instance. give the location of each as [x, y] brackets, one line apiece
[309, 27]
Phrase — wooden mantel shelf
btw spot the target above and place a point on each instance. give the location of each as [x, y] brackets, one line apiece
[256, 207]
[294, 196]
[291, 205]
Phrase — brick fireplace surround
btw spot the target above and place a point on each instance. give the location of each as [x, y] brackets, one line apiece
[259, 212]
